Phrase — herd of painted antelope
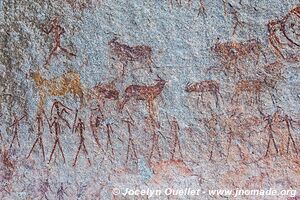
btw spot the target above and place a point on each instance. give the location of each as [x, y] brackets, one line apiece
[282, 34]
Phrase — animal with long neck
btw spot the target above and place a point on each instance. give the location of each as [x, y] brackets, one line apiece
[205, 86]
[57, 86]
[144, 93]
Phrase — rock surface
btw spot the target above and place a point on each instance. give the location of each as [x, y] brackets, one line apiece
[149, 95]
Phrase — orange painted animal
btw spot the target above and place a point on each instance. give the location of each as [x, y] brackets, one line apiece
[57, 86]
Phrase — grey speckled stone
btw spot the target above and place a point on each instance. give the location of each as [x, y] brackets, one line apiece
[222, 146]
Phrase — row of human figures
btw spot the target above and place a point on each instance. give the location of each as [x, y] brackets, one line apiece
[58, 120]
[59, 113]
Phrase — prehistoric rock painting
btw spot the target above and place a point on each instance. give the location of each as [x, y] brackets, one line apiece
[284, 32]
[103, 99]
[126, 54]
[58, 31]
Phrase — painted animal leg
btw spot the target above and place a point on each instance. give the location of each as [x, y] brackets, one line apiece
[86, 152]
[127, 154]
[151, 109]
[271, 138]
[109, 142]
[53, 149]
[96, 138]
[42, 147]
[291, 139]
[33, 147]
[77, 153]
[179, 149]
[155, 147]
[294, 144]
[15, 137]
[130, 143]
[229, 146]
[151, 152]
[62, 153]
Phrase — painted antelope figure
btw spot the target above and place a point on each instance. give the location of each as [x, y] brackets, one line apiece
[16, 127]
[237, 50]
[144, 93]
[255, 87]
[252, 87]
[201, 87]
[106, 91]
[57, 86]
[125, 54]
[102, 92]
[232, 52]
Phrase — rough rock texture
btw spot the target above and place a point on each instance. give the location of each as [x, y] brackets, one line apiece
[151, 94]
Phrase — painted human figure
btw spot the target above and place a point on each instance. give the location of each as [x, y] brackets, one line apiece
[80, 128]
[57, 130]
[16, 126]
[109, 143]
[94, 125]
[176, 142]
[39, 139]
[59, 109]
[131, 145]
[58, 31]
